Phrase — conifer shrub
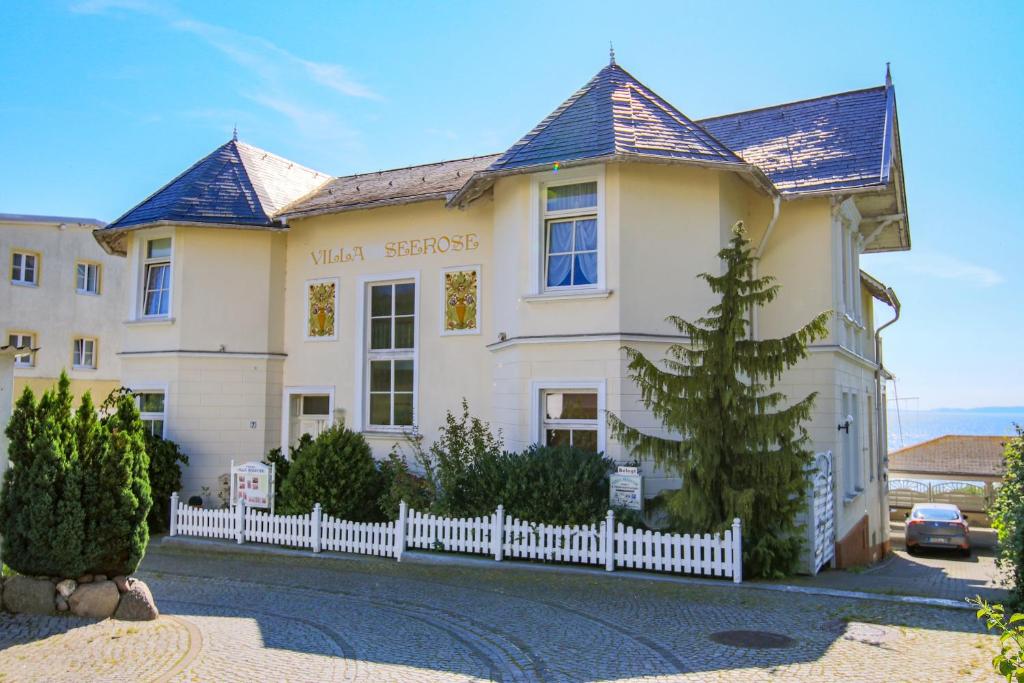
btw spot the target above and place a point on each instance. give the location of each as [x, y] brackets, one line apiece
[281, 462]
[336, 470]
[76, 496]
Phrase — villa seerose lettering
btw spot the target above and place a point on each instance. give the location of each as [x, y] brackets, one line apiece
[440, 244]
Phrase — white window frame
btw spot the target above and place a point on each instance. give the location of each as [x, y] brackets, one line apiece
[286, 412]
[153, 389]
[144, 263]
[540, 387]
[19, 361]
[37, 261]
[479, 300]
[77, 357]
[88, 265]
[539, 217]
[361, 406]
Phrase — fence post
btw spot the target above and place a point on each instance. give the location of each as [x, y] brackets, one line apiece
[498, 533]
[317, 517]
[174, 514]
[737, 551]
[240, 521]
[403, 515]
[609, 542]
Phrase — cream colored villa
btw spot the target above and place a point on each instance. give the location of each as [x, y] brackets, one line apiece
[266, 299]
[59, 295]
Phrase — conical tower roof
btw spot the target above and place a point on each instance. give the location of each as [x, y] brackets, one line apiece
[236, 184]
[614, 114]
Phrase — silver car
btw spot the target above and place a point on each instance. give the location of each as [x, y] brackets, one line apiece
[937, 525]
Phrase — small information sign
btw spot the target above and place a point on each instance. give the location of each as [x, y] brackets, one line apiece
[252, 482]
[627, 489]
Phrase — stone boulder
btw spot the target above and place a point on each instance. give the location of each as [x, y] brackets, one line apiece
[137, 603]
[67, 587]
[27, 595]
[122, 583]
[96, 600]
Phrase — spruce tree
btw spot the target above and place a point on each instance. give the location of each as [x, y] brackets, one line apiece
[743, 447]
[15, 496]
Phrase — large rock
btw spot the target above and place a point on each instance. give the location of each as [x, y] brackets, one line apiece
[27, 595]
[67, 587]
[97, 600]
[137, 603]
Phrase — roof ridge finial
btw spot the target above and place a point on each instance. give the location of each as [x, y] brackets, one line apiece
[888, 76]
[234, 133]
[611, 54]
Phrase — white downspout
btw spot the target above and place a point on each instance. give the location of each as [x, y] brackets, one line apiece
[776, 202]
[880, 420]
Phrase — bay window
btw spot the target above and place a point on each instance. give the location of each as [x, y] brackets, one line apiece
[570, 236]
[156, 278]
[570, 419]
[152, 411]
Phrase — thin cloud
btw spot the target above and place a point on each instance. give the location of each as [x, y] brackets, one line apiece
[263, 57]
[935, 264]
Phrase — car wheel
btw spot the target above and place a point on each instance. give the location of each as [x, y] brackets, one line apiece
[965, 552]
[912, 550]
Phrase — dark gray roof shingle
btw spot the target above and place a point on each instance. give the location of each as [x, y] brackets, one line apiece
[614, 114]
[396, 186]
[236, 184]
[829, 143]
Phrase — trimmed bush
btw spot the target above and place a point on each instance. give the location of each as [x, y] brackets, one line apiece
[282, 463]
[336, 470]
[555, 485]
[76, 497]
[165, 462]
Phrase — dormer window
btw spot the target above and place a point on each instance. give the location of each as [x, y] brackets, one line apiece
[570, 236]
[156, 280]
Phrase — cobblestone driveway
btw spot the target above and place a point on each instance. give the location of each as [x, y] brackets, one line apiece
[254, 618]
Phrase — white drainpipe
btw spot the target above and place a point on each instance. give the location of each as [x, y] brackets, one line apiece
[776, 202]
[882, 439]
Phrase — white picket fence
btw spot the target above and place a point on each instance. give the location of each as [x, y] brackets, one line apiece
[497, 535]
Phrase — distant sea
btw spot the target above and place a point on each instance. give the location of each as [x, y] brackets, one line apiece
[914, 426]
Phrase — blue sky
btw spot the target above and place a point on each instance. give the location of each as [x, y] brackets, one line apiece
[105, 100]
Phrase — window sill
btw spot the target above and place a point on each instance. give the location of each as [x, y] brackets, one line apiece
[30, 285]
[851, 497]
[86, 293]
[383, 432]
[162, 320]
[567, 295]
[83, 368]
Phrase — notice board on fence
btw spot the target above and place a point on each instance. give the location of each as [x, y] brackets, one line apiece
[252, 482]
[627, 489]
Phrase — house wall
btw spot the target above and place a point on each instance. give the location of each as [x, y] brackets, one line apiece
[55, 313]
[236, 345]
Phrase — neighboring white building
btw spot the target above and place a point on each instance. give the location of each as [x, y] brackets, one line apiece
[265, 299]
[57, 292]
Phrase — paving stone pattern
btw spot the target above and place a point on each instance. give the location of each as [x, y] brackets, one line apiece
[245, 618]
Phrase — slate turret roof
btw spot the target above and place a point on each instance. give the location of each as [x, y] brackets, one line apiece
[614, 113]
[235, 185]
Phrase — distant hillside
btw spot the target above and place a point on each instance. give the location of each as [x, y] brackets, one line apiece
[985, 409]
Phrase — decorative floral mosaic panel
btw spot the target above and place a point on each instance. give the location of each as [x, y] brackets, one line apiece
[461, 292]
[321, 322]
